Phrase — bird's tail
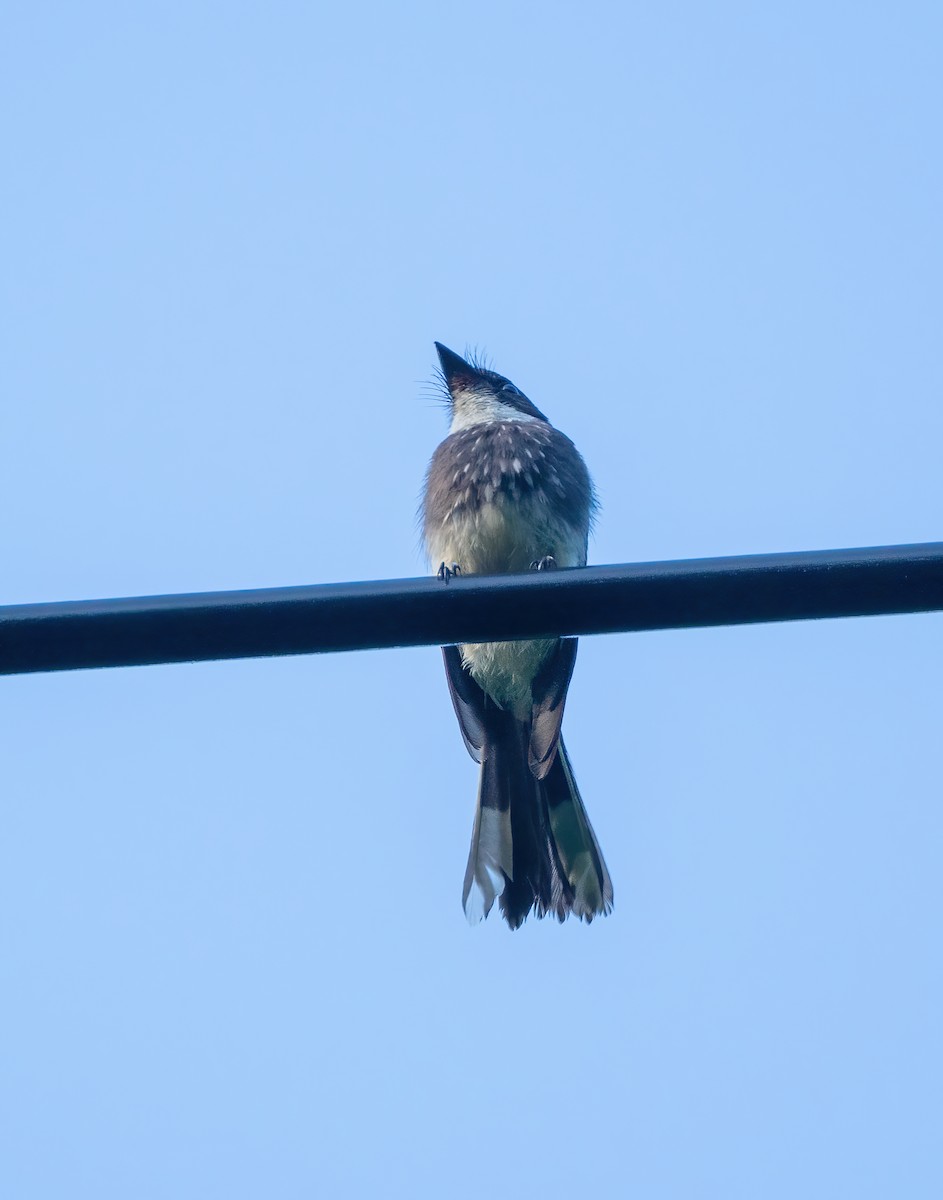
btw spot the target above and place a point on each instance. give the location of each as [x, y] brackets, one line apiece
[533, 848]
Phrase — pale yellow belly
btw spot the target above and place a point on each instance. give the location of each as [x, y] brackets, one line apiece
[505, 670]
[498, 539]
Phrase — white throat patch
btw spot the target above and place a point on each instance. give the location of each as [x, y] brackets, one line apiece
[480, 408]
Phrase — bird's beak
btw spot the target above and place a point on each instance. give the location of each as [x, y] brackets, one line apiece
[455, 369]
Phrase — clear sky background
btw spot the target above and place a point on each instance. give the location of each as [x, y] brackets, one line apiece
[705, 239]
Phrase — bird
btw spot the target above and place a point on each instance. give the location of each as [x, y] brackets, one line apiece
[507, 492]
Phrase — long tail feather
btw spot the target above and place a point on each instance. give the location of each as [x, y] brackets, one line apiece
[589, 888]
[533, 848]
[490, 858]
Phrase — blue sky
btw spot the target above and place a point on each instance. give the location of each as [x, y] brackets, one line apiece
[706, 241]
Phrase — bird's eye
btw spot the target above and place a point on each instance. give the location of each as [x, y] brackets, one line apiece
[511, 389]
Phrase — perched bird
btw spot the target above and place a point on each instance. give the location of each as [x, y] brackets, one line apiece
[507, 492]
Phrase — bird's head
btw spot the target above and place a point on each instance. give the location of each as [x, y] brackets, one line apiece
[478, 395]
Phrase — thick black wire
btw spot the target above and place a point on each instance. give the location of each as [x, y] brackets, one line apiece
[414, 612]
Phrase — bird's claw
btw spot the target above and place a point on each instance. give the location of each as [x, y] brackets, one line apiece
[445, 573]
[547, 563]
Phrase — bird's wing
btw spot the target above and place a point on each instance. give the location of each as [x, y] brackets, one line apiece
[468, 700]
[549, 692]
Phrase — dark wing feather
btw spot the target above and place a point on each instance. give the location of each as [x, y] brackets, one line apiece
[468, 700]
[549, 692]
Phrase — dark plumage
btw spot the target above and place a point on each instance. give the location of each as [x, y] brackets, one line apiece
[491, 463]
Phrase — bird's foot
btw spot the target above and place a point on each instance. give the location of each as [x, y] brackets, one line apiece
[445, 573]
[547, 563]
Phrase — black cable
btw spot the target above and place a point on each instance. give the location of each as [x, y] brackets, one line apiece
[414, 612]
